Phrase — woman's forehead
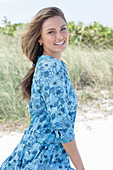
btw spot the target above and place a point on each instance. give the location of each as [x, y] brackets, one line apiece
[53, 22]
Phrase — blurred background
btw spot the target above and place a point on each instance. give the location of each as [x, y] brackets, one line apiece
[85, 11]
[89, 61]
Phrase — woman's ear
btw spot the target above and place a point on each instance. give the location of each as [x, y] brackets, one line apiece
[40, 41]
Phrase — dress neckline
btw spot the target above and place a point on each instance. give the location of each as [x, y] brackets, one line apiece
[48, 56]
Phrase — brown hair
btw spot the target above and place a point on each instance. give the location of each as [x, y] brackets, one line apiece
[31, 47]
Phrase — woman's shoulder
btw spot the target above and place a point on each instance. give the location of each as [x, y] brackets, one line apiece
[46, 61]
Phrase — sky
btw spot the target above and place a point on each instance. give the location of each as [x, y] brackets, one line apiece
[86, 11]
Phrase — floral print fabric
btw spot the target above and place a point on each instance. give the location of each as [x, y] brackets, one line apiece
[53, 108]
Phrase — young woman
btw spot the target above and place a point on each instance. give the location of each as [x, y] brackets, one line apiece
[49, 141]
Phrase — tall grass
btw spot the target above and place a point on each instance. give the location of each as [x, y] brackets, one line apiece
[89, 67]
[86, 67]
[13, 66]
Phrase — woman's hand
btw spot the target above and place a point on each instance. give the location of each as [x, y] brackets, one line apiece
[81, 169]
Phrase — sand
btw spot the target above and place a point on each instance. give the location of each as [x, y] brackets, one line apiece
[94, 140]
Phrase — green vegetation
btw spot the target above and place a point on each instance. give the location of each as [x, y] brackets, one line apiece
[13, 66]
[8, 28]
[93, 35]
[87, 67]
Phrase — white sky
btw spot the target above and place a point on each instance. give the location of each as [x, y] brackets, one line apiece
[86, 11]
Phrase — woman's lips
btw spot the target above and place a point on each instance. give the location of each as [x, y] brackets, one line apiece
[60, 43]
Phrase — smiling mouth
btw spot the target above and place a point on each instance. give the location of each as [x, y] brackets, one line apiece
[60, 43]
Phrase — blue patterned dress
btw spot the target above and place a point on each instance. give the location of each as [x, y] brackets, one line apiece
[53, 107]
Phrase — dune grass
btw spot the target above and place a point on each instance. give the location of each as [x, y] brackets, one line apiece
[13, 66]
[89, 66]
[86, 67]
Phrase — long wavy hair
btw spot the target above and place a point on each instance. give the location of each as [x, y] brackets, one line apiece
[32, 48]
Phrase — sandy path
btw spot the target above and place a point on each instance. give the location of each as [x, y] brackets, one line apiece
[96, 145]
[94, 140]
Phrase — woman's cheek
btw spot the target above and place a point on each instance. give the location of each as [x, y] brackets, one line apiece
[67, 34]
[50, 40]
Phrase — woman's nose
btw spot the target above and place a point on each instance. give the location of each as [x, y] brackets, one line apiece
[59, 35]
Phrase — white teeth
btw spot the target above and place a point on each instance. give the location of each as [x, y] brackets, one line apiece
[60, 43]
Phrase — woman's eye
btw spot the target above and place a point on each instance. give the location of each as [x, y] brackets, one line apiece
[63, 29]
[50, 32]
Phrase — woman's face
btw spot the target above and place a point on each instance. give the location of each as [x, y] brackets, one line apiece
[54, 35]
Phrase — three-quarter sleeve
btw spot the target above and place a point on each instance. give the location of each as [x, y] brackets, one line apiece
[53, 91]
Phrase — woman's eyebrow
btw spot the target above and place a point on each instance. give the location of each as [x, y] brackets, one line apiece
[55, 28]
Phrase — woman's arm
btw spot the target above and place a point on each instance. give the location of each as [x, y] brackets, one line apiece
[72, 151]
